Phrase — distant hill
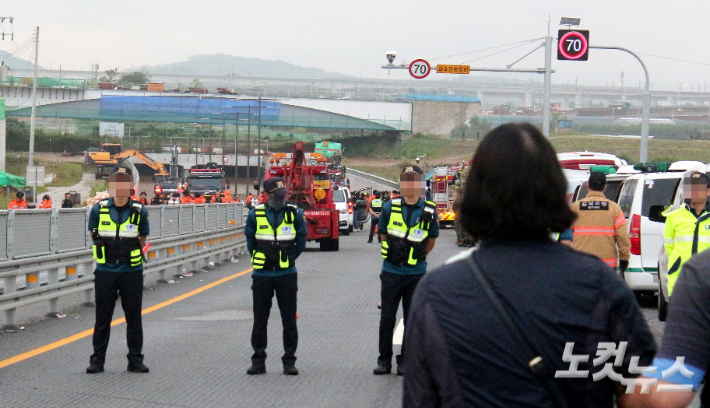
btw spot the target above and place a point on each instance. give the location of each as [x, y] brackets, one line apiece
[221, 64]
[15, 63]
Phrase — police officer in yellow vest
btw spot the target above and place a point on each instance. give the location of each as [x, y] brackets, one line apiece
[687, 229]
[119, 227]
[408, 227]
[276, 236]
[375, 209]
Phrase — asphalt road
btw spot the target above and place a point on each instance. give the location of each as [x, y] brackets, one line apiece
[198, 347]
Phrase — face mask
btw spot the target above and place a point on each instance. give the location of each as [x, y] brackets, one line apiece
[277, 203]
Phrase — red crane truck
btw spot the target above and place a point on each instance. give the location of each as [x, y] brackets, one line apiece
[309, 187]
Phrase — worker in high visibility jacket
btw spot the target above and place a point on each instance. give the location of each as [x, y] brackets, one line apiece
[687, 229]
[199, 199]
[119, 227]
[600, 228]
[18, 203]
[46, 203]
[375, 208]
[408, 228]
[276, 235]
[186, 198]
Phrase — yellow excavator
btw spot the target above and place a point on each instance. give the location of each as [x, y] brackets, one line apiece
[109, 158]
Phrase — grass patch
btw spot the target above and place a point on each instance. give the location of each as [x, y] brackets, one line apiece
[98, 187]
[67, 173]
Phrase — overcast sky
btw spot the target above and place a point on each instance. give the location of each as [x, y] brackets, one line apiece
[351, 37]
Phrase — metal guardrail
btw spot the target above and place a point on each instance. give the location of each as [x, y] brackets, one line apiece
[377, 179]
[47, 253]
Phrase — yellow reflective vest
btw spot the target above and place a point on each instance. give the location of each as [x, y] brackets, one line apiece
[274, 245]
[118, 243]
[407, 245]
[684, 235]
[376, 205]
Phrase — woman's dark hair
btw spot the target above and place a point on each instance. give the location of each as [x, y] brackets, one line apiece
[515, 186]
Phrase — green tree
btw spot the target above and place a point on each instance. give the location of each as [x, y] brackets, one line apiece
[196, 83]
[110, 74]
[135, 78]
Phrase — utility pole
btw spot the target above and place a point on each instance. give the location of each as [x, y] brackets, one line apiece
[259, 146]
[3, 135]
[34, 103]
[236, 154]
[248, 147]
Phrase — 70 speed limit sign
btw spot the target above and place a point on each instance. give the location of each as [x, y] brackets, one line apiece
[419, 69]
[573, 45]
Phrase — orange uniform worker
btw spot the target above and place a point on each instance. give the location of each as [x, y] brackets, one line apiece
[18, 203]
[263, 198]
[601, 226]
[46, 203]
[199, 199]
[186, 198]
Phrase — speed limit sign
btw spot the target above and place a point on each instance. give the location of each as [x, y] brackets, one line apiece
[419, 69]
[573, 45]
[225, 159]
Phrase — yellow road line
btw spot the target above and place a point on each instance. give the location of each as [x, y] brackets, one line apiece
[86, 333]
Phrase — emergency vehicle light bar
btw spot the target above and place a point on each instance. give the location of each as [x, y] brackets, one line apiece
[652, 167]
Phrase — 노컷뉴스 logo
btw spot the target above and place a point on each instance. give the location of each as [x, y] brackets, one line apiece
[605, 350]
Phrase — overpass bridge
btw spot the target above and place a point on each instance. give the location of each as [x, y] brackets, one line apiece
[491, 91]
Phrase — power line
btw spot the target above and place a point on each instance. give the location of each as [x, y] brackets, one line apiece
[486, 49]
[502, 51]
[676, 59]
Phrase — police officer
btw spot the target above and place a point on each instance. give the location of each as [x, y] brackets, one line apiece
[276, 236]
[375, 210]
[408, 227]
[119, 227]
[687, 229]
[601, 226]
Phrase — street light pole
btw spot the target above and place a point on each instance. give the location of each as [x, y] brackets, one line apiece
[646, 115]
[34, 103]
[248, 148]
[236, 156]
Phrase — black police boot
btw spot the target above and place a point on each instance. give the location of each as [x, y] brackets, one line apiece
[382, 368]
[369, 241]
[137, 367]
[256, 369]
[95, 367]
[400, 365]
[290, 369]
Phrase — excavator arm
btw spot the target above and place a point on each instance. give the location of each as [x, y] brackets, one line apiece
[158, 167]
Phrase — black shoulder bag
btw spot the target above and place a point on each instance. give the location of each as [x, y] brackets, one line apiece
[536, 363]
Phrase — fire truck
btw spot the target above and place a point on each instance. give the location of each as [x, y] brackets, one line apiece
[444, 184]
[309, 187]
[206, 178]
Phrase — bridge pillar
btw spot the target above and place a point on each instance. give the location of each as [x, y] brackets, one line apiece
[578, 103]
[672, 101]
[528, 98]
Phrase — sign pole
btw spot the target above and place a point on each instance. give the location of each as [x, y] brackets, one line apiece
[547, 86]
[34, 103]
[646, 113]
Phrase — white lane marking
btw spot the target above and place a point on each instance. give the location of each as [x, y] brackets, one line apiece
[398, 336]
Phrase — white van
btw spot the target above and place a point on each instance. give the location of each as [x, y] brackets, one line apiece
[341, 197]
[643, 197]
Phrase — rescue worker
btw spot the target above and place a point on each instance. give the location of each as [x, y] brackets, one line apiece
[143, 198]
[186, 198]
[175, 199]
[276, 236]
[687, 229]
[119, 227]
[67, 202]
[224, 198]
[600, 227]
[408, 228]
[375, 210]
[46, 202]
[18, 203]
[262, 198]
[199, 199]
[236, 199]
[395, 193]
[248, 201]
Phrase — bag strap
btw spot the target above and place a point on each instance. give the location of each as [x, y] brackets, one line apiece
[536, 363]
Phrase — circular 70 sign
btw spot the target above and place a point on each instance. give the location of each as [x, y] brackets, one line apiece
[419, 69]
